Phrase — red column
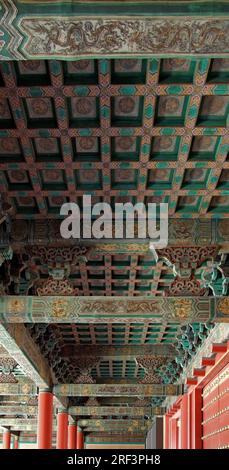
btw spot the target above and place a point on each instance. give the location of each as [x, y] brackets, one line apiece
[173, 433]
[184, 422]
[166, 431]
[189, 420]
[198, 418]
[16, 442]
[72, 429]
[80, 439]
[6, 439]
[62, 430]
[45, 417]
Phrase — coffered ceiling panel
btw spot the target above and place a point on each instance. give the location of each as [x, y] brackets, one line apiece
[119, 130]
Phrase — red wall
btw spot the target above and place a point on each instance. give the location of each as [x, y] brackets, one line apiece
[200, 418]
[216, 411]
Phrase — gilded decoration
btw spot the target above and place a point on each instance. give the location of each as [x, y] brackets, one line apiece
[107, 36]
[182, 308]
[56, 287]
[223, 306]
[108, 306]
[7, 369]
[60, 308]
[223, 227]
[16, 306]
[198, 232]
[150, 364]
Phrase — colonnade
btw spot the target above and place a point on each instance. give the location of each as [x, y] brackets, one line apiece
[68, 436]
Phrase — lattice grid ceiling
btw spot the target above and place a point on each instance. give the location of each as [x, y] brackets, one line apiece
[118, 334]
[120, 130]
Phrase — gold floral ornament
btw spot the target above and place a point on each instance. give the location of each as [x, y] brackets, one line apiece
[16, 306]
[223, 306]
[25, 389]
[182, 308]
[130, 247]
[60, 308]
[170, 389]
[223, 227]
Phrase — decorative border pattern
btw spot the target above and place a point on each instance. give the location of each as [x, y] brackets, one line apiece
[200, 232]
[66, 37]
[114, 410]
[116, 390]
[31, 309]
[61, 33]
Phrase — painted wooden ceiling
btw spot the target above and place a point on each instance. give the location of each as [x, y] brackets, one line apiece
[122, 130]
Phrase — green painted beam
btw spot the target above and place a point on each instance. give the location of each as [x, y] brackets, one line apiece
[202, 232]
[70, 309]
[18, 410]
[18, 389]
[134, 29]
[117, 390]
[95, 411]
[11, 400]
[17, 422]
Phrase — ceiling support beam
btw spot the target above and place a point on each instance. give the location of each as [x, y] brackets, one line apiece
[16, 422]
[84, 424]
[10, 400]
[71, 309]
[117, 390]
[126, 426]
[18, 410]
[17, 341]
[19, 344]
[41, 232]
[130, 425]
[18, 389]
[99, 438]
[95, 411]
[120, 352]
[136, 35]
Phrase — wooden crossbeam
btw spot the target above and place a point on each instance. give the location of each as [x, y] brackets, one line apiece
[69, 309]
[126, 351]
[18, 410]
[18, 389]
[16, 422]
[95, 411]
[117, 390]
[19, 344]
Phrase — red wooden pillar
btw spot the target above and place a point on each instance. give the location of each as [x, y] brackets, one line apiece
[16, 442]
[184, 422]
[189, 420]
[62, 430]
[198, 418]
[72, 430]
[178, 434]
[166, 431]
[80, 439]
[45, 417]
[6, 439]
[173, 435]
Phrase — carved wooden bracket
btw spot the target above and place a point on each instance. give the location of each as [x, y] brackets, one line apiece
[86, 365]
[150, 364]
